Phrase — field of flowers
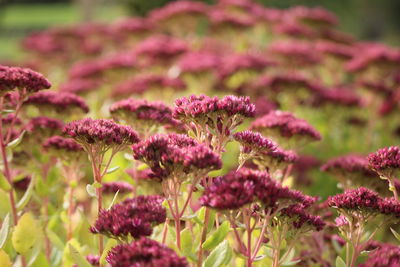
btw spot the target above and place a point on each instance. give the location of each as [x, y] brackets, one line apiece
[223, 135]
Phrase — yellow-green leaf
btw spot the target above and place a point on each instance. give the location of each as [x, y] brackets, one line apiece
[4, 259]
[26, 234]
[4, 184]
[218, 236]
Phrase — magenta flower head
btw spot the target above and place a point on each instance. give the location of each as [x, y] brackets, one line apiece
[134, 217]
[352, 171]
[147, 83]
[64, 148]
[199, 62]
[315, 17]
[98, 136]
[234, 190]
[334, 50]
[144, 252]
[387, 255]
[360, 201]
[22, 79]
[176, 9]
[338, 97]
[80, 86]
[222, 116]
[294, 54]
[390, 208]
[273, 160]
[175, 154]
[58, 103]
[301, 220]
[252, 144]
[284, 127]
[43, 127]
[238, 69]
[161, 49]
[386, 161]
[111, 188]
[143, 115]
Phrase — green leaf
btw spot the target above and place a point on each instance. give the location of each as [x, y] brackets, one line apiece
[142, 167]
[111, 170]
[186, 242]
[217, 237]
[26, 234]
[28, 194]
[55, 240]
[4, 184]
[113, 200]
[397, 235]
[291, 263]
[5, 259]
[109, 245]
[340, 262]
[42, 188]
[91, 190]
[14, 143]
[77, 257]
[218, 256]
[4, 230]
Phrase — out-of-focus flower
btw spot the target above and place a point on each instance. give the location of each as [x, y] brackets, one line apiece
[294, 54]
[280, 125]
[315, 17]
[353, 171]
[112, 188]
[332, 49]
[94, 260]
[133, 217]
[339, 96]
[64, 148]
[143, 115]
[144, 252]
[140, 84]
[104, 134]
[178, 8]
[44, 127]
[160, 49]
[80, 86]
[22, 79]
[199, 62]
[62, 103]
[387, 255]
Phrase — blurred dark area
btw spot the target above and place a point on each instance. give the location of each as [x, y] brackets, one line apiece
[365, 19]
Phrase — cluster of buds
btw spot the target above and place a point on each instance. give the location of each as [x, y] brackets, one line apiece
[58, 104]
[146, 117]
[176, 155]
[144, 252]
[134, 217]
[285, 128]
[213, 120]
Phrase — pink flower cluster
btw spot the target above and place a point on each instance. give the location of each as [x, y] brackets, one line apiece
[134, 217]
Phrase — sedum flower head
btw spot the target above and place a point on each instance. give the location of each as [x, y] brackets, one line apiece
[133, 217]
[144, 252]
[386, 161]
[62, 103]
[141, 114]
[44, 127]
[64, 148]
[105, 133]
[247, 186]
[80, 86]
[361, 199]
[172, 154]
[302, 220]
[283, 125]
[250, 141]
[386, 255]
[112, 188]
[233, 190]
[22, 79]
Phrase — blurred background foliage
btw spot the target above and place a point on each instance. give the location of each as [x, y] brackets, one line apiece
[365, 19]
